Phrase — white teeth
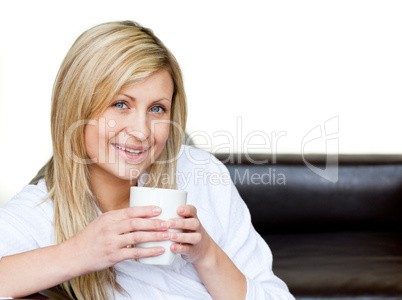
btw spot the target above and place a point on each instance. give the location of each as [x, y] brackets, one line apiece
[136, 152]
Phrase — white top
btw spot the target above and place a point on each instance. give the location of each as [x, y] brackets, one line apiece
[26, 223]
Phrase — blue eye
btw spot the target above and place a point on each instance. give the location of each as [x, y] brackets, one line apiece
[120, 105]
[157, 109]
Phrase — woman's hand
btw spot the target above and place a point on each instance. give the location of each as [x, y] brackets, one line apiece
[221, 277]
[105, 241]
[194, 243]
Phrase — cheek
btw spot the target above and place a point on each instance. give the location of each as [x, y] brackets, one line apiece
[161, 133]
[96, 135]
[91, 139]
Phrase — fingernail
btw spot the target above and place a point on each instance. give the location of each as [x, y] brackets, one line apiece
[164, 225]
[161, 250]
[181, 210]
[165, 235]
[156, 210]
[175, 235]
[172, 223]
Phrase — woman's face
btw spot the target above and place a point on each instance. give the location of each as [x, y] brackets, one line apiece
[130, 135]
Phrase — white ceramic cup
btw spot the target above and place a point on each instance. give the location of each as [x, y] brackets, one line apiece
[169, 201]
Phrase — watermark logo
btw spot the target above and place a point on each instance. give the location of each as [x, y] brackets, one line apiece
[269, 177]
[327, 134]
[239, 145]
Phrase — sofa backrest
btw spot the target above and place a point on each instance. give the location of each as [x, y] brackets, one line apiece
[289, 196]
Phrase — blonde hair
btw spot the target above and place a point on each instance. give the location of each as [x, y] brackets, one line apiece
[101, 62]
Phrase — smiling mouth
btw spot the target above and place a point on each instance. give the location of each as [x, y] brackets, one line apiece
[130, 151]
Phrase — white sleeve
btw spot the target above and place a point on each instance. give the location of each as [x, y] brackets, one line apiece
[246, 247]
[26, 222]
[15, 236]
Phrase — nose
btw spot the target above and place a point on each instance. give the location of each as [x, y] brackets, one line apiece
[138, 127]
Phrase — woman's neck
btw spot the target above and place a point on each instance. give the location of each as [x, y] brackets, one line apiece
[111, 193]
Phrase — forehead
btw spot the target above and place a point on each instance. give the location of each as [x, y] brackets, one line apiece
[158, 83]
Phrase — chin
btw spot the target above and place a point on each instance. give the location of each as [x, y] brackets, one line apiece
[132, 174]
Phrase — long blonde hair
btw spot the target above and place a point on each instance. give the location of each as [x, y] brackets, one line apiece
[100, 63]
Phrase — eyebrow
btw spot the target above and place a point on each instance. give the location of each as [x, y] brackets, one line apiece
[133, 99]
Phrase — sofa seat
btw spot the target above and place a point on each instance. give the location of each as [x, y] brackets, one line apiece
[339, 263]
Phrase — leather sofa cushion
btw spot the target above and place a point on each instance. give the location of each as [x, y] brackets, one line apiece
[339, 263]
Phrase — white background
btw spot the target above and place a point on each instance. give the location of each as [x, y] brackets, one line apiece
[263, 68]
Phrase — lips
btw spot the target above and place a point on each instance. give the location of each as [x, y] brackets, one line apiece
[131, 152]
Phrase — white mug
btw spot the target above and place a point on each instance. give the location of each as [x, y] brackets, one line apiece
[169, 201]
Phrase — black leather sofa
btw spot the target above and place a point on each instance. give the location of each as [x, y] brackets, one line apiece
[338, 239]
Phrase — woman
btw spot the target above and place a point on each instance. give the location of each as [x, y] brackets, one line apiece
[118, 117]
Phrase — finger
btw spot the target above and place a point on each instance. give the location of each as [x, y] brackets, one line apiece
[133, 212]
[192, 238]
[187, 211]
[142, 237]
[181, 248]
[136, 224]
[142, 211]
[140, 252]
[191, 224]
